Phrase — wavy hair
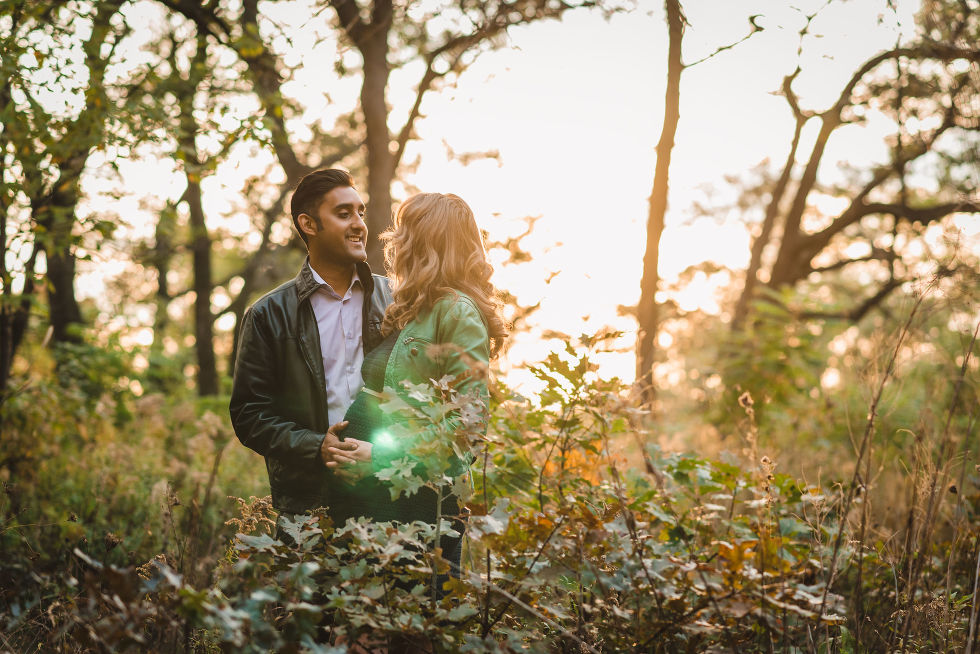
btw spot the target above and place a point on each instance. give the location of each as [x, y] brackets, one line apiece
[435, 249]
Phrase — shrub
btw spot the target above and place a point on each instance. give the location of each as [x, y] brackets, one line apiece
[582, 536]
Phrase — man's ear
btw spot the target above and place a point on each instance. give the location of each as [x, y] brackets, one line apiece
[307, 224]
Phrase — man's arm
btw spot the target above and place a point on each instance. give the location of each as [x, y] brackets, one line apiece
[257, 423]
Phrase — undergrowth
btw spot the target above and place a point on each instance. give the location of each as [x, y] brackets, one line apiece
[118, 535]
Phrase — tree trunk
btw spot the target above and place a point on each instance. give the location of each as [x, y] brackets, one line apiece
[14, 318]
[759, 245]
[66, 317]
[374, 50]
[56, 215]
[648, 310]
[8, 346]
[207, 371]
[160, 258]
[790, 263]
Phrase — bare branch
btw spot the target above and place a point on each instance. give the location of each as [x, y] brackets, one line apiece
[858, 312]
[877, 254]
[406, 131]
[859, 210]
[756, 28]
[206, 19]
[457, 46]
[336, 156]
[923, 50]
[350, 18]
[805, 246]
[772, 211]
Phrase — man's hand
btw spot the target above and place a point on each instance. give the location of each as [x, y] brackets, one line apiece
[351, 464]
[332, 443]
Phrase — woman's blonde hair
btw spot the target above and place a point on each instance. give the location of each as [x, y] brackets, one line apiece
[435, 249]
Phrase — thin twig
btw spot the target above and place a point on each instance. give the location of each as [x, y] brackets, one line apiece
[868, 431]
[540, 616]
[938, 482]
[973, 603]
[530, 568]
[756, 28]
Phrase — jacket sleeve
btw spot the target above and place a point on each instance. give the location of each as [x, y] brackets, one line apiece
[468, 361]
[465, 358]
[257, 423]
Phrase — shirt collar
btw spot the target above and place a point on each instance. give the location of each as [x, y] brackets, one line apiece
[355, 279]
[307, 284]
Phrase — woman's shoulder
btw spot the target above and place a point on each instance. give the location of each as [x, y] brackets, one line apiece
[457, 304]
[453, 298]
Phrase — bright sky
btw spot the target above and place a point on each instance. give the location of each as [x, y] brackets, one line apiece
[575, 110]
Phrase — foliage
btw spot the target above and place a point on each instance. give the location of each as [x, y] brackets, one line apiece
[89, 463]
[577, 541]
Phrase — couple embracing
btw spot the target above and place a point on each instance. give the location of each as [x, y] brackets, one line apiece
[316, 353]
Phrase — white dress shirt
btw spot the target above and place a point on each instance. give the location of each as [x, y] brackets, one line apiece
[339, 320]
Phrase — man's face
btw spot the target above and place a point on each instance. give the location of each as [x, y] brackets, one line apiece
[342, 235]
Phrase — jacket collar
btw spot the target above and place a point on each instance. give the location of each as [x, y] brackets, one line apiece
[306, 285]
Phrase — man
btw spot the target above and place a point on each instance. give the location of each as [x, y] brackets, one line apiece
[301, 346]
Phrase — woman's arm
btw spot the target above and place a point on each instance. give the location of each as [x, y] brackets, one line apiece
[461, 354]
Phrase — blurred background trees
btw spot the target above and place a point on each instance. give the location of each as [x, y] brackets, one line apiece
[927, 90]
[209, 86]
[60, 103]
[857, 245]
[93, 89]
[860, 283]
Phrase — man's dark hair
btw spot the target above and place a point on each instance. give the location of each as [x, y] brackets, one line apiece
[310, 191]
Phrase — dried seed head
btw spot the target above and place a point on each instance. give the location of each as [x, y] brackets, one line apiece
[110, 541]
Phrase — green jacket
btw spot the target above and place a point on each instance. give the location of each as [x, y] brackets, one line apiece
[450, 340]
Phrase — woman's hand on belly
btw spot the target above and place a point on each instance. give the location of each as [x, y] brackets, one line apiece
[351, 464]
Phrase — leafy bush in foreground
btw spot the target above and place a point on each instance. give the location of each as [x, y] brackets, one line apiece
[570, 549]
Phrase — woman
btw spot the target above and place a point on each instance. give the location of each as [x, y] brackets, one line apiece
[443, 324]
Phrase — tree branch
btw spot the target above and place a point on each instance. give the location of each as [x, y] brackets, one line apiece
[206, 19]
[831, 119]
[406, 131]
[756, 28]
[329, 160]
[798, 250]
[858, 312]
[772, 211]
[456, 46]
[350, 18]
[858, 210]
[791, 98]
[877, 254]
[923, 50]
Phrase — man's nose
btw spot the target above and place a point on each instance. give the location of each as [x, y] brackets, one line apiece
[360, 222]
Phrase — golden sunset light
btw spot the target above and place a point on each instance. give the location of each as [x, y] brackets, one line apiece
[572, 109]
[637, 326]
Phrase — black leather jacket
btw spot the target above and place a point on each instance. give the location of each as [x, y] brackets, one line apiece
[279, 397]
